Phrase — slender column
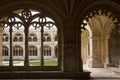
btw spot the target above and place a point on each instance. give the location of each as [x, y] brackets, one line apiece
[26, 63]
[109, 55]
[23, 53]
[38, 52]
[11, 54]
[52, 52]
[106, 51]
[42, 60]
[1, 46]
[23, 47]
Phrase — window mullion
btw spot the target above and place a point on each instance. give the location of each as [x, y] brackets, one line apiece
[11, 54]
[26, 62]
[42, 60]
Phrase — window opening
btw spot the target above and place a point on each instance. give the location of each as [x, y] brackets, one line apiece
[18, 60]
[5, 37]
[26, 22]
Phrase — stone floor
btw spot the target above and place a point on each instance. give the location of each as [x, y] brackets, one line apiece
[103, 73]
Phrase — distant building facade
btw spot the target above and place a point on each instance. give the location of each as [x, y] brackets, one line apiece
[50, 43]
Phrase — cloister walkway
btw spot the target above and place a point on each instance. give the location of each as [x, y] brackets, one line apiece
[103, 73]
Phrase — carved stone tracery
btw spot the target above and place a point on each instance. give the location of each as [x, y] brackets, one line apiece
[26, 19]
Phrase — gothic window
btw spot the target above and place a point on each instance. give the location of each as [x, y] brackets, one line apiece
[32, 51]
[47, 51]
[48, 39]
[5, 51]
[32, 38]
[5, 37]
[27, 26]
[15, 39]
[17, 51]
[18, 37]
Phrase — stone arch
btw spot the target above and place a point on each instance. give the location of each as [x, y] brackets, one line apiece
[43, 8]
[111, 20]
[105, 7]
[29, 4]
[96, 5]
[93, 10]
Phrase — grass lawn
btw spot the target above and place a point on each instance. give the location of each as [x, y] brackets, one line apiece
[46, 63]
[37, 62]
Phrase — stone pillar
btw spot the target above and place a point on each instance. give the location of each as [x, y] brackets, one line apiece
[71, 57]
[23, 47]
[23, 52]
[84, 50]
[1, 30]
[89, 61]
[11, 48]
[26, 61]
[96, 55]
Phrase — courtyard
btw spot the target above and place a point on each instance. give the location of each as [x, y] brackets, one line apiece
[32, 62]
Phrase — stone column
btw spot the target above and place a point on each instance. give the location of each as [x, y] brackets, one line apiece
[84, 50]
[1, 30]
[96, 55]
[26, 31]
[106, 51]
[71, 57]
[89, 61]
[11, 48]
